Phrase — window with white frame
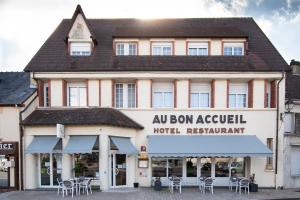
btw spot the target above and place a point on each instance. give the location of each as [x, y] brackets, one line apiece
[46, 95]
[162, 49]
[126, 49]
[125, 95]
[200, 95]
[80, 49]
[295, 160]
[233, 49]
[268, 95]
[162, 94]
[238, 95]
[77, 94]
[197, 49]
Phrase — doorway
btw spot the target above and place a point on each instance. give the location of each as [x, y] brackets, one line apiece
[4, 172]
[50, 169]
[118, 170]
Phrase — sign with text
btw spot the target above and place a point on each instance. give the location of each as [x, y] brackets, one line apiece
[8, 148]
[199, 124]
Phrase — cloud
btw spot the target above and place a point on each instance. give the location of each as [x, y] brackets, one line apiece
[25, 25]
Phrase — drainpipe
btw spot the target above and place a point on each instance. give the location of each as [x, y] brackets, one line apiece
[21, 140]
[277, 126]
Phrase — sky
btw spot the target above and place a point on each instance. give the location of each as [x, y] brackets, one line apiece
[26, 25]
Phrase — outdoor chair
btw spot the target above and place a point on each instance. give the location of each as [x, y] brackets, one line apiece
[208, 185]
[60, 185]
[176, 183]
[244, 183]
[233, 182]
[201, 183]
[68, 186]
[86, 186]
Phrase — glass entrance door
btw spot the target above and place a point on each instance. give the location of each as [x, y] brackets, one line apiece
[118, 170]
[50, 169]
[3, 172]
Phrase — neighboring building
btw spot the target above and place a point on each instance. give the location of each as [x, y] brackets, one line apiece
[15, 100]
[131, 100]
[291, 119]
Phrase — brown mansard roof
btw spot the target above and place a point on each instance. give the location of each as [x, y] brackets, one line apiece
[81, 116]
[261, 54]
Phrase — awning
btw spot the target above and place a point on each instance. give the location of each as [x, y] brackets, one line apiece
[81, 144]
[219, 146]
[45, 144]
[124, 145]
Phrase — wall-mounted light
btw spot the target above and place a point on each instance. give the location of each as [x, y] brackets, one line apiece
[289, 105]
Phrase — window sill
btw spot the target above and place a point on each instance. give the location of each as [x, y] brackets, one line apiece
[269, 170]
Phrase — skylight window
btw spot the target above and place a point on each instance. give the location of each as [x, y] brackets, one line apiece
[80, 49]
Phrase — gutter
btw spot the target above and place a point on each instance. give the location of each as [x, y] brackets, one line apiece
[277, 125]
[21, 141]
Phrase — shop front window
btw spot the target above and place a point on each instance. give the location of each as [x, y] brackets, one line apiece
[238, 167]
[222, 167]
[175, 167]
[87, 165]
[159, 167]
[205, 167]
[3, 172]
[191, 167]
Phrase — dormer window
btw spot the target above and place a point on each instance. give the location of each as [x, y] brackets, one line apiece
[233, 49]
[80, 49]
[162, 49]
[126, 49]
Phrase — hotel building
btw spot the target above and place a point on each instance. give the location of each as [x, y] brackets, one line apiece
[128, 100]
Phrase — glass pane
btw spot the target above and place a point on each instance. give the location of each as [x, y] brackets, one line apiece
[119, 95]
[205, 167]
[156, 51]
[202, 51]
[73, 94]
[167, 51]
[82, 96]
[120, 169]
[232, 101]
[175, 167]
[241, 100]
[238, 51]
[191, 167]
[3, 173]
[131, 95]
[168, 99]
[238, 167]
[204, 100]
[159, 167]
[227, 51]
[57, 167]
[132, 49]
[195, 100]
[222, 167]
[45, 169]
[120, 49]
[157, 99]
[192, 51]
[87, 164]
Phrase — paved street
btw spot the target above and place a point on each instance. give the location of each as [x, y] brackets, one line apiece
[149, 193]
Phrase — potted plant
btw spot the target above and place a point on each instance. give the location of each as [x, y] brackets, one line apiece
[79, 169]
[253, 187]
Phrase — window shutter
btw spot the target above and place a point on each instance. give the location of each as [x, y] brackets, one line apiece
[175, 93]
[273, 94]
[212, 99]
[64, 89]
[297, 123]
[295, 161]
[41, 93]
[227, 95]
[250, 94]
[113, 93]
[49, 93]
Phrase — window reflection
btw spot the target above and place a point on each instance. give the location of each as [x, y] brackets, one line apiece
[191, 167]
[159, 167]
[238, 167]
[206, 167]
[175, 167]
[222, 167]
[87, 165]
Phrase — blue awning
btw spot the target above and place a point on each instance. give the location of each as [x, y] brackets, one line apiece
[81, 144]
[124, 145]
[45, 144]
[218, 146]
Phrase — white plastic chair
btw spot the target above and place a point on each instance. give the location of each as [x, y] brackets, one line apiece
[68, 186]
[60, 185]
[244, 183]
[233, 182]
[86, 186]
[176, 183]
[208, 184]
[201, 183]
